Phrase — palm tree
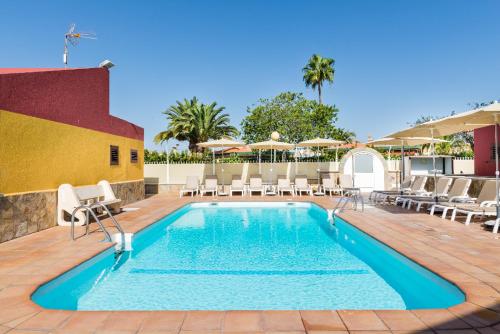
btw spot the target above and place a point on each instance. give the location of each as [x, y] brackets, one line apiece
[318, 70]
[196, 122]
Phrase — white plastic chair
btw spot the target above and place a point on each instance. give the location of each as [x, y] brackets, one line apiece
[256, 185]
[236, 185]
[210, 186]
[192, 186]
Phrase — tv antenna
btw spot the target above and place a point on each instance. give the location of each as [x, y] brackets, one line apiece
[72, 37]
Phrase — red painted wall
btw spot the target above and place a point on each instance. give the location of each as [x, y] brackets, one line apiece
[78, 97]
[484, 139]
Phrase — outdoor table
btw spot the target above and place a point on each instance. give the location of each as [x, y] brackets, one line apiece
[270, 189]
[222, 192]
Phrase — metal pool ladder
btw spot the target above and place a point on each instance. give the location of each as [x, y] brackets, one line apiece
[89, 210]
[351, 195]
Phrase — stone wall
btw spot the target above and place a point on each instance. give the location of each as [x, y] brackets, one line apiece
[26, 213]
[22, 214]
[129, 192]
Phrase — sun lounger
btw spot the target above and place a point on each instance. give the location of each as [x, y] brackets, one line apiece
[192, 186]
[301, 185]
[210, 186]
[284, 186]
[484, 204]
[457, 192]
[442, 188]
[256, 185]
[450, 204]
[417, 188]
[405, 187]
[236, 186]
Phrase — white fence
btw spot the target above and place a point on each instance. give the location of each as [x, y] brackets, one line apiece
[163, 174]
[175, 174]
[161, 177]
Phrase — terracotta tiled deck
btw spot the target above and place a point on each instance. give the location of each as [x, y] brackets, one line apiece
[466, 255]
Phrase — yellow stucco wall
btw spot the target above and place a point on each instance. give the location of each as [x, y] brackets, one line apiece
[37, 154]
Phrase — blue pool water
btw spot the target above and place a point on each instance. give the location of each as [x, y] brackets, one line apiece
[269, 256]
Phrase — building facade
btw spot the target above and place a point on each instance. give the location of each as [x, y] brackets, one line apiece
[484, 151]
[55, 127]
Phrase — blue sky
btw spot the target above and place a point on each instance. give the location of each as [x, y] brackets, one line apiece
[395, 60]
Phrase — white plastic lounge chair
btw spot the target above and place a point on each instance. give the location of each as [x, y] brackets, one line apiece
[453, 199]
[484, 203]
[256, 185]
[328, 185]
[192, 186]
[442, 188]
[404, 187]
[458, 191]
[284, 185]
[417, 187]
[236, 186]
[301, 185]
[210, 186]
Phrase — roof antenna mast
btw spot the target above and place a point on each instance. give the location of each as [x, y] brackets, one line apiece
[72, 37]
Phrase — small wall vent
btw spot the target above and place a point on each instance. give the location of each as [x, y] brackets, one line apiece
[114, 155]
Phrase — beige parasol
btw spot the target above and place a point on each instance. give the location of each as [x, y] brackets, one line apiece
[220, 143]
[320, 142]
[408, 141]
[404, 141]
[271, 145]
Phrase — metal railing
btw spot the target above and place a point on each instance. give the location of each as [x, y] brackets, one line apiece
[89, 210]
[350, 195]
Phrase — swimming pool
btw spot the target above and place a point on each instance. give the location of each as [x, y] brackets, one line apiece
[246, 256]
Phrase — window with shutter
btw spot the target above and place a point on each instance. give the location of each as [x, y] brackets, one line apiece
[114, 155]
[134, 156]
[492, 152]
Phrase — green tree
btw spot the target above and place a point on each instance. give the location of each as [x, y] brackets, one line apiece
[195, 122]
[294, 117]
[317, 71]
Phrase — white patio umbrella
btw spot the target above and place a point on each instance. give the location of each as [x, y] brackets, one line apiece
[272, 145]
[467, 121]
[320, 142]
[220, 143]
[404, 141]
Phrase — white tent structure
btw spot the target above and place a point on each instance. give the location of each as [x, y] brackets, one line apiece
[467, 121]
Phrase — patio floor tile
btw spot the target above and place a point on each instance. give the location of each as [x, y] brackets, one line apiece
[401, 320]
[243, 321]
[85, 322]
[362, 320]
[322, 321]
[203, 321]
[123, 321]
[163, 321]
[282, 321]
[440, 319]
[45, 320]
